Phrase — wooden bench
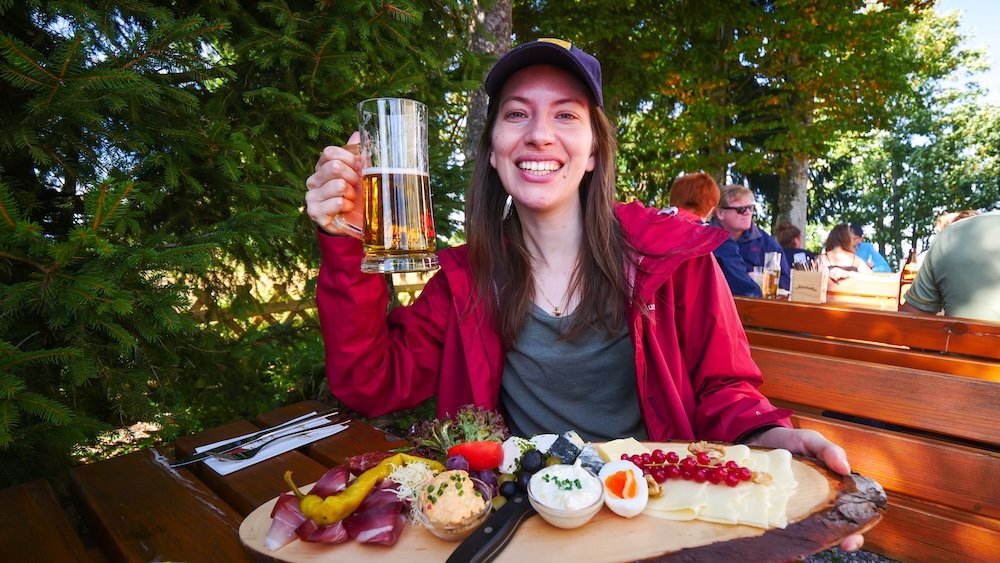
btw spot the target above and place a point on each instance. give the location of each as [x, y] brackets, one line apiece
[914, 401]
[34, 527]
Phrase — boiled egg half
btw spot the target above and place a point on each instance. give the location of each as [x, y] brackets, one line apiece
[625, 490]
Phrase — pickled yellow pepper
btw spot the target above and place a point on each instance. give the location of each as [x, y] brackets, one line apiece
[336, 507]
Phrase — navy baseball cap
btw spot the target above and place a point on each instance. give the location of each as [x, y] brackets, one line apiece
[556, 52]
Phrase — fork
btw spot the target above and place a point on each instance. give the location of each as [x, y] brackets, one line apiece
[251, 449]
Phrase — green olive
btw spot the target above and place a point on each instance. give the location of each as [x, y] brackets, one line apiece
[497, 502]
[552, 460]
[504, 477]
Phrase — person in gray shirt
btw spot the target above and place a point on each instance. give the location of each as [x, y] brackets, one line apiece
[960, 273]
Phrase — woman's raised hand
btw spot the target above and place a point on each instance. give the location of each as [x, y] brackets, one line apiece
[334, 188]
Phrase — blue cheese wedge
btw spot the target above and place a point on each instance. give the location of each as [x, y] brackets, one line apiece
[590, 458]
[567, 447]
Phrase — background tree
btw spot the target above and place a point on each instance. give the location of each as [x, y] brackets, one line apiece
[155, 152]
[739, 89]
[938, 153]
[491, 31]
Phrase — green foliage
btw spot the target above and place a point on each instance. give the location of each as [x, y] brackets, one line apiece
[939, 153]
[733, 88]
[155, 152]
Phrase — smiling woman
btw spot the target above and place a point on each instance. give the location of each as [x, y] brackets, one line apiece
[570, 311]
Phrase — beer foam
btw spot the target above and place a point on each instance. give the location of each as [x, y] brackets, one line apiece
[373, 170]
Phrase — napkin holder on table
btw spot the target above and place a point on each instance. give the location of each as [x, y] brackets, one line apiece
[809, 286]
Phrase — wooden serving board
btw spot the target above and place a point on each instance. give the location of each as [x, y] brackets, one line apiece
[824, 509]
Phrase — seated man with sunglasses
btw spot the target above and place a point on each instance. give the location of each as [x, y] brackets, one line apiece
[735, 214]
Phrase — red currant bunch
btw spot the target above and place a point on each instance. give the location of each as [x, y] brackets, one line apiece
[699, 467]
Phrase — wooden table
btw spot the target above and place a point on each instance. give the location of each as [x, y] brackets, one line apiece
[138, 509]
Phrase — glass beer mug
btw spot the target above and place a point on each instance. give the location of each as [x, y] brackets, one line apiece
[398, 230]
[771, 274]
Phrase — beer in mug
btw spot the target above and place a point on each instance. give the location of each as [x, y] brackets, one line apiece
[398, 229]
[398, 215]
[771, 275]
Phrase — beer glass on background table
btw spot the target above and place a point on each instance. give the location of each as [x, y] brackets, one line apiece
[771, 275]
[398, 230]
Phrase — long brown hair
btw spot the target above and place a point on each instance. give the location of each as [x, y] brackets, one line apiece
[839, 237]
[501, 262]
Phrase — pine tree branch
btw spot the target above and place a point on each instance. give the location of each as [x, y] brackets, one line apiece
[27, 79]
[102, 191]
[13, 47]
[77, 39]
[10, 256]
[6, 215]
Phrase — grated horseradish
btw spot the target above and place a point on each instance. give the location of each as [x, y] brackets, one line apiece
[410, 478]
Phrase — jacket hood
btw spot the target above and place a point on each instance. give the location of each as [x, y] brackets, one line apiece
[665, 239]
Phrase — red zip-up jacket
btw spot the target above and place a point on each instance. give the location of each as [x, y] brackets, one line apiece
[695, 376]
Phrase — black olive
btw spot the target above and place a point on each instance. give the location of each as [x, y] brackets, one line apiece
[508, 489]
[532, 461]
[522, 480]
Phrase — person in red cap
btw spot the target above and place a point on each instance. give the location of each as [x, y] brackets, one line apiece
[565, 309]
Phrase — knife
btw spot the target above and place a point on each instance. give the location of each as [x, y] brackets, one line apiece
[226, 446]
[489, 540]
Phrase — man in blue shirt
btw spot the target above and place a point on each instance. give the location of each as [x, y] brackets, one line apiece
[735, 214]
[866, 251]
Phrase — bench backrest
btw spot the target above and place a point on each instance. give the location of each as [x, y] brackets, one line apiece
[946, 335]
[949, 405]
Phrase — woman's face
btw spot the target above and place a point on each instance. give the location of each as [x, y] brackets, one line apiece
[542, 139]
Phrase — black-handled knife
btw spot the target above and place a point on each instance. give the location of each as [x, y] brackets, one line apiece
[489, 540]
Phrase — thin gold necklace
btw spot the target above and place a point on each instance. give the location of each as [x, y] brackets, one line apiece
[556, 311]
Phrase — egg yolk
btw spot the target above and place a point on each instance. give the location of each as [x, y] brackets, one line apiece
[622, 484]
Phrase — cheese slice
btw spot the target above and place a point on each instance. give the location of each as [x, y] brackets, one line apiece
[739, 453]
[748, 503]
[613, 450]
[756, 507]
[782, 486]
[724, 504]
[681, 500]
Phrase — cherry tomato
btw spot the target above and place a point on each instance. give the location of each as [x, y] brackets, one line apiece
[481, 455]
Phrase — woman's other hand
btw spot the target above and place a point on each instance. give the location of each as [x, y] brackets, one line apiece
[813, 444]
[334, 188]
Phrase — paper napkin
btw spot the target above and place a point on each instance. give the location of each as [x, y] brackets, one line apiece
[276, 447]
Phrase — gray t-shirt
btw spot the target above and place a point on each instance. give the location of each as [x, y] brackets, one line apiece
[587, 384]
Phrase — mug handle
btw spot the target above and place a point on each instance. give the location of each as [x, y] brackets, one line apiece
[339, 220]
[348, 227]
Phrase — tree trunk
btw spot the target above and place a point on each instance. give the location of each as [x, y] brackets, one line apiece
[491, 36]
[793, 193]
[718, 148]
